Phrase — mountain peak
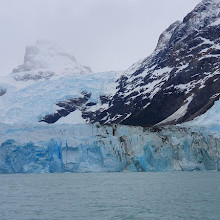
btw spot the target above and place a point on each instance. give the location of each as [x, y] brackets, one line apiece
[204, 13]
[179, 81]
[47, 59]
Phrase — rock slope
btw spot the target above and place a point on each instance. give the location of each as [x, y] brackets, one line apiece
[179, 81]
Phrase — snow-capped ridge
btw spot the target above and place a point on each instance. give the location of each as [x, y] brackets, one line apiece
[184, 64]
[161, 44]
[204, 13]
[166, 35]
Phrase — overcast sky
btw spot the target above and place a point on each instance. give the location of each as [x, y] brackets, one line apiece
[104, 34]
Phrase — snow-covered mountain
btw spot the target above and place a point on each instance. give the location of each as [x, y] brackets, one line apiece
[52, 87]
[179, 81]
[45, 60]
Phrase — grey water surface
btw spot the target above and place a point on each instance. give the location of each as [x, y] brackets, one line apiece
[102, 196]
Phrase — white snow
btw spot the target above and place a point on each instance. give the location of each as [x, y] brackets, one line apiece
[179, 113]
[214, 96]
[161, 72]
[160, 76]
[209, 122]
[191, 85]
[73, 118]
[184, 66]
[146, 105]
[216, 22]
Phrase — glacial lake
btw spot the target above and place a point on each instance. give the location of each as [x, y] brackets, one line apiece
[102, 196]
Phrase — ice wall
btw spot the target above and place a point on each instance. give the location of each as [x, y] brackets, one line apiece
[95, 148]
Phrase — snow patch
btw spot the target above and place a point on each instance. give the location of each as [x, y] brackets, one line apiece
[72, 118]
[179, 113]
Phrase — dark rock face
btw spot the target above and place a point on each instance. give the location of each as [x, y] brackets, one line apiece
[37, 76]
[2, 91]
[179, 81]
[67, 106]
[82, 103]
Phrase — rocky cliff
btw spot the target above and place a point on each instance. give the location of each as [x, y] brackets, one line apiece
[179, 81]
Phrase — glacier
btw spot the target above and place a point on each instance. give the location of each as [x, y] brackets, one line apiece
[209, 122]
[109, 148]
[29, 102]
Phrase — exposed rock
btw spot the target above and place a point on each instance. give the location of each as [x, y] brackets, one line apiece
[66, 107]
[179, 81]
[2, 91]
